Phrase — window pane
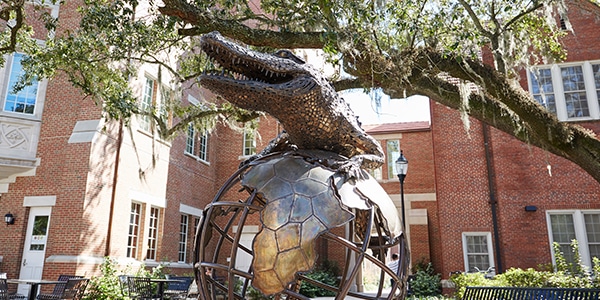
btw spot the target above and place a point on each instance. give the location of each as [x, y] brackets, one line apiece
[40, 225]
[39, 233]
[183, 233]
[134, 225]
[190, 141]
[146, 103]
[477, 244]
[542, 89]
[393, 152]
[547, 100]
[563, 232]
[152, 233]
[203, 147]
[477, 252]
[249, 142]
[24, 100]
[575, 96]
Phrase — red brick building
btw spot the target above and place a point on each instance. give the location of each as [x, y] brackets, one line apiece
[502, 202]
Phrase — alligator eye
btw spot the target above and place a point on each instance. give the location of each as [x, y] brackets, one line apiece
[289, 55]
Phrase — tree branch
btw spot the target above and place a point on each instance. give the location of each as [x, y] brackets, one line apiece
[257, 37]
[474, 18]
[528, 122]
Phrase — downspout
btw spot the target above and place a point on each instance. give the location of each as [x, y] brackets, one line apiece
[113, 195]
[493, 201]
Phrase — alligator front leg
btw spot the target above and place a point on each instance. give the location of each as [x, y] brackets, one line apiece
[355, 166]
[370, 157]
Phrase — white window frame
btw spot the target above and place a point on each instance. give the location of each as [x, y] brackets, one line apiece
[247, 135]
[559, 93]
[198, 144]
[133, 246]
[147, 102]
[391, 158]
[183, 237]
[490, 247]
[152, 239]
[10, 64]
[190, 141]
[154, 96]
[42, 85]
[580, 232]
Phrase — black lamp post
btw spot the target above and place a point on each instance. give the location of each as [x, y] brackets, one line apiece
[401, 168]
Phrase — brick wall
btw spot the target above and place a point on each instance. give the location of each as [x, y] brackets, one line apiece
[521, 178]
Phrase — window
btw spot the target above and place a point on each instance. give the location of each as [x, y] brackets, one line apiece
[575, 95]
[147, 103]
[249, 142]
[596, 71]
[134, 230]
[39, 234]
[153, 233]
[580, 225]
[203, 147]
[563, 232]
[477, 251]
[571, 91]
[155, 99]
[183, 238]
[190, 143]
[23, 101]
[393, 152]
[542, 89]
[197, 144]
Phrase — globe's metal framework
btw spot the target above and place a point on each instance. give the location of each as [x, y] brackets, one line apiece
[237, 205]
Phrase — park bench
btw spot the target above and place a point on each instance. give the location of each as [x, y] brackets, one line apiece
[529, 293]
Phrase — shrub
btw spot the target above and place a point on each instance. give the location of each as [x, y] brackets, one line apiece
[254, 294]
[425, 282]
[566, 275]
[107, 286]
[325, 273]
[596, 272]
[524, 278]
[462, 280]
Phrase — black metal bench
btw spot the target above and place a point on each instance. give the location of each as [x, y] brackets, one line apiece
[522, 293]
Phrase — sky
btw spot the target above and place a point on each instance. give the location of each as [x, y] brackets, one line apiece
[411, 109]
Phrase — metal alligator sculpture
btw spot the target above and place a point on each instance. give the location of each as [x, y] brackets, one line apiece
[312, 113]
[311, 175]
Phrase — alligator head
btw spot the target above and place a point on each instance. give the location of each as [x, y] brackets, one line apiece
[253, 80]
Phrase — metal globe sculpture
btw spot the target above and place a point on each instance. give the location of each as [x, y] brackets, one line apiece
[291, 200]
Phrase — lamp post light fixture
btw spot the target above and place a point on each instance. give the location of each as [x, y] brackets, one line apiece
[9, 219]
[401, 168]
